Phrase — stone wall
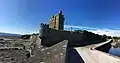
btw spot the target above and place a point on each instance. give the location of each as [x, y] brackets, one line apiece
[105, 48]
[50, 36]
[55, 35]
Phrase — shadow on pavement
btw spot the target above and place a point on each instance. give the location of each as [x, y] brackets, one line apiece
[73, 56]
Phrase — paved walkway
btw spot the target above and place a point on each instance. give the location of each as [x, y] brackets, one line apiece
[94, 56]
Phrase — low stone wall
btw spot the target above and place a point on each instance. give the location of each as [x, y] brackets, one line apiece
[51, 37]
[54, 54]
[105, 47]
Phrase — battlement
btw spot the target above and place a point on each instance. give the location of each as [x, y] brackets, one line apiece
[44, 25]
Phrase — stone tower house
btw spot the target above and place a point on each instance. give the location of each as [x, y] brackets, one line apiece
[57, 21]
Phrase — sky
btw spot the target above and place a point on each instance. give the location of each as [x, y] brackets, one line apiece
[25, 16]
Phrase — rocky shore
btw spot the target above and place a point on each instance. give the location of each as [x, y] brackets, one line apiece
[116, 43]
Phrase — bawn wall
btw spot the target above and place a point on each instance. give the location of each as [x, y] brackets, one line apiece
[50, 36]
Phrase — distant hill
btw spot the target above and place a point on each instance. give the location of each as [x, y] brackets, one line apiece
[9, 34]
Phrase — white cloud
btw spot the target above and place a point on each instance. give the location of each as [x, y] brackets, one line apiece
[17, 31]
[109, 32]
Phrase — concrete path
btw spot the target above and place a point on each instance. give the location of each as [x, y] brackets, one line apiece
[94, 56]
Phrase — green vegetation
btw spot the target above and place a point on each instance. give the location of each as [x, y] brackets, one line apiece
[115, 37]
[89, 36]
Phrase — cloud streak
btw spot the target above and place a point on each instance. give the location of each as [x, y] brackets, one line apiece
[109, 32]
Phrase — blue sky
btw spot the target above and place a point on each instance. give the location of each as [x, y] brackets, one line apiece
[25, 16]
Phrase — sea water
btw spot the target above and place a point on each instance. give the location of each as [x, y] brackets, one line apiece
[115, 51]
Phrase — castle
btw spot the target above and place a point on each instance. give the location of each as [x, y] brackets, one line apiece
[54, 32]
[57, 21]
